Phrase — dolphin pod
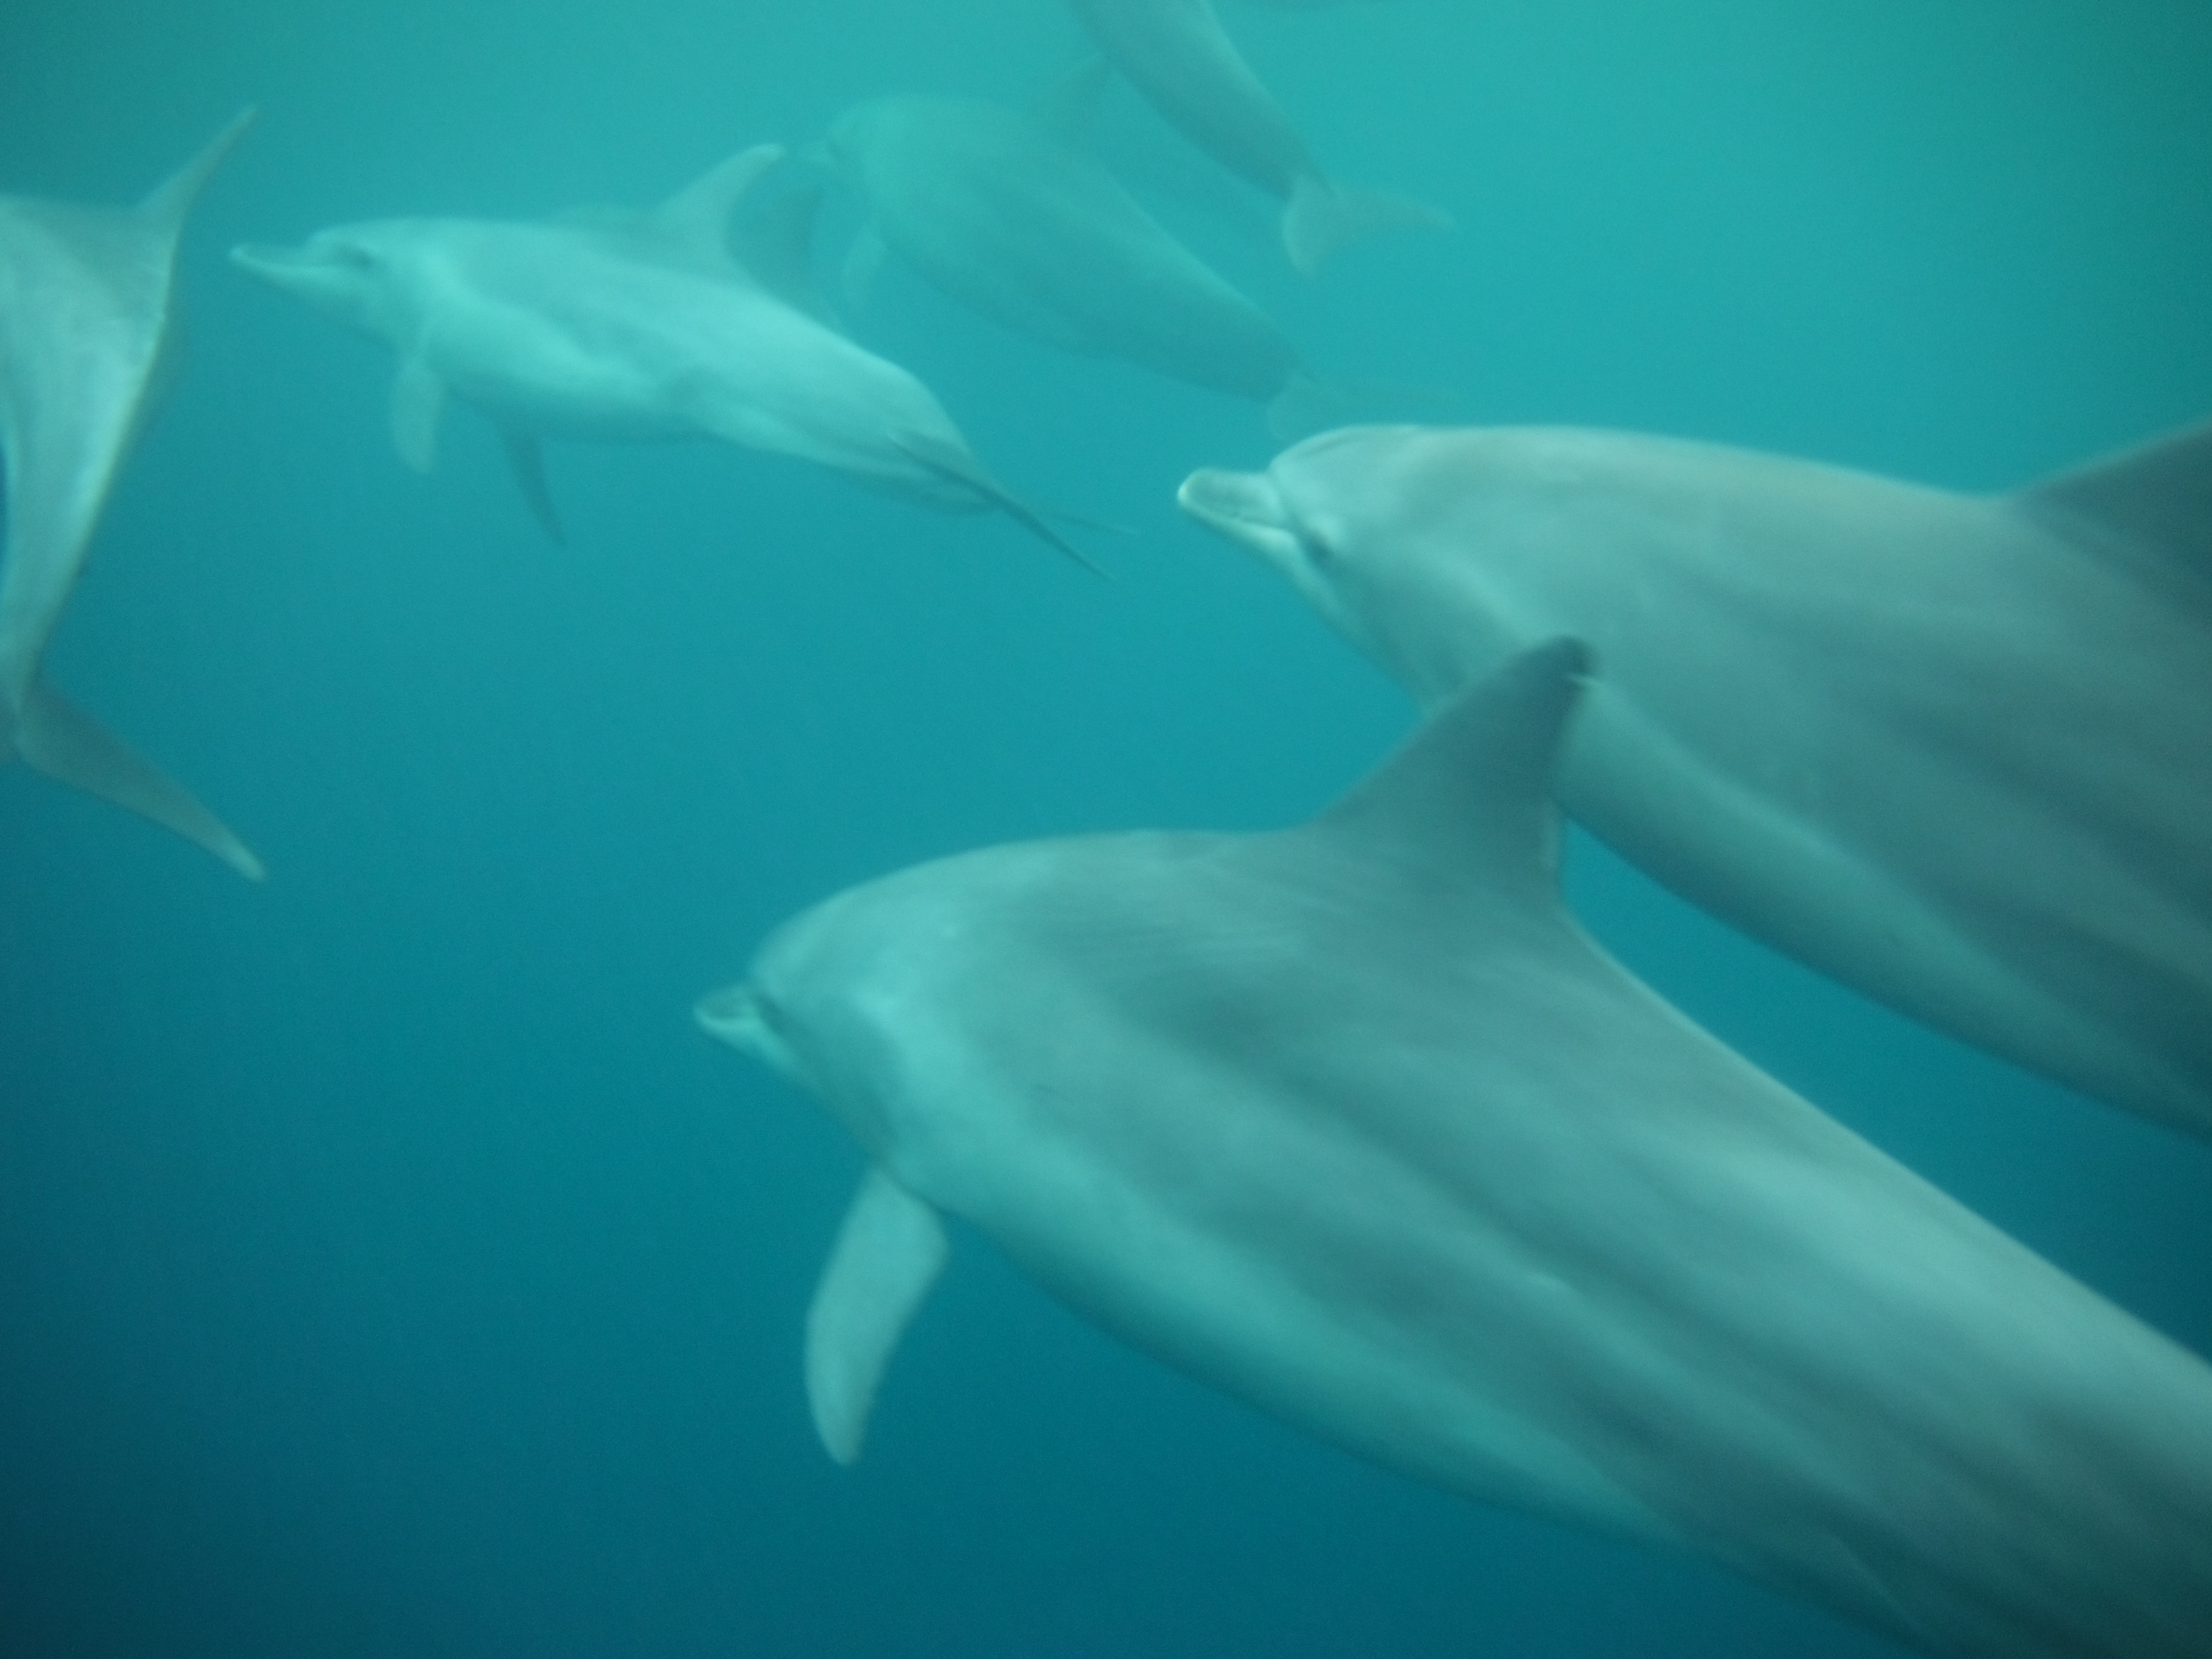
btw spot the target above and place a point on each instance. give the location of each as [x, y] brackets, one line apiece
[1354, 1122]
[85, 320]
[1956, 751]
[607, 326]
[1351, 1121]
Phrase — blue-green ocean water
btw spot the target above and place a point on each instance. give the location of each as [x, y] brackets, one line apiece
[387, 1264]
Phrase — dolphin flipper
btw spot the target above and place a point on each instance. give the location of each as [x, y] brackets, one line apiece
[888, 1253]
[527, 461]
[56, 737]
[418, 399]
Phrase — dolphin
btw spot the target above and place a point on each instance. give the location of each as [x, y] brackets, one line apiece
[1178, 56]
[1029, 230]
[1354, 1122]
[87, 302]
[603, 324]
[1954, 751]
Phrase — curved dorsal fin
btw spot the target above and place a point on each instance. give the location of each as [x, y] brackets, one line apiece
[1465, 801]
[697, 217]
[167, 202]
[2156, 495]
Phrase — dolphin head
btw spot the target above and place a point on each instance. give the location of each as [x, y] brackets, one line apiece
[824, 995]
[1403, 538]
[359, 273]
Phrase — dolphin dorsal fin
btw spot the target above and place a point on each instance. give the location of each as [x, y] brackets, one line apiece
[697, 217]
[2158, 494]
[168, 202]
[776, 246]
[888, 1253]
[1465, 801]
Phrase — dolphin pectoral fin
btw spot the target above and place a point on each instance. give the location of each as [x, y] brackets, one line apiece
[1322, 218]
[2158, 494]
[56, 737]
[953, 462]
[168, 202]
[697, 217]
[864, 262]
[418, 398]
[888, 1253]
[1465, 803]
[527, 462]
[776, 245]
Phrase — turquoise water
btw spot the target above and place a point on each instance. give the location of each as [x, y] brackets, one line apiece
[388, 1266]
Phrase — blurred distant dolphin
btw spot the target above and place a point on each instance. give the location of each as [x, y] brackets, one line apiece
[1176, 53]
[86, 298]
[1354, 1122]
[1956, 751]
[611, 326]
[1007, 217]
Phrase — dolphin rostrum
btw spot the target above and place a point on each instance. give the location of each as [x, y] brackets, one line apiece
[1954, 751]
[87, 297]
[603, 324]
[1178, 56]
[1031, 231]
[1354, 1121]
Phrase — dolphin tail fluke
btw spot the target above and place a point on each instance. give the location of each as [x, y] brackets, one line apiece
[957, 465]
[168, 203]
[1322, 218]
[56, 737]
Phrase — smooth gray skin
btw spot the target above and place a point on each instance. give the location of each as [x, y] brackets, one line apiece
[605, 326]
[1033, 233]
[1354, 1122]
[1954, 751]
[1176, 54]
[87, 298]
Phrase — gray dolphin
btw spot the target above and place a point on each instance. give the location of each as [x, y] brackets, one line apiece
[611, 326]
[1032, 232]
[87, 297]
[1354, 1122]
[1954, 751]
[1176, 54]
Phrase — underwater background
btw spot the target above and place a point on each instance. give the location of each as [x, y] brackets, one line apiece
[388, 1265]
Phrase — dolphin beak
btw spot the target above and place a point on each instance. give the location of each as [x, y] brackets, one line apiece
[284, 266]
[737, 1016]
[1245, 507]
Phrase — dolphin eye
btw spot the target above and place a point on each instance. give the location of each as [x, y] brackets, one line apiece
[358, 257]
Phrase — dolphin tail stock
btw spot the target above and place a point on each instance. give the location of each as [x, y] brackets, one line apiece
[55, 737]
[1322, 218]
[957, 465]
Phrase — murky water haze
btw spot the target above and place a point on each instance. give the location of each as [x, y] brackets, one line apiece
[390, 1265]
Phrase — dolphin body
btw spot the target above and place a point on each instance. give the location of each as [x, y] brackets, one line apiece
[1355, 1123]
[1017, 223]
[87, 296]
[1178, 56]
[1954, 751]
[603, 325]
